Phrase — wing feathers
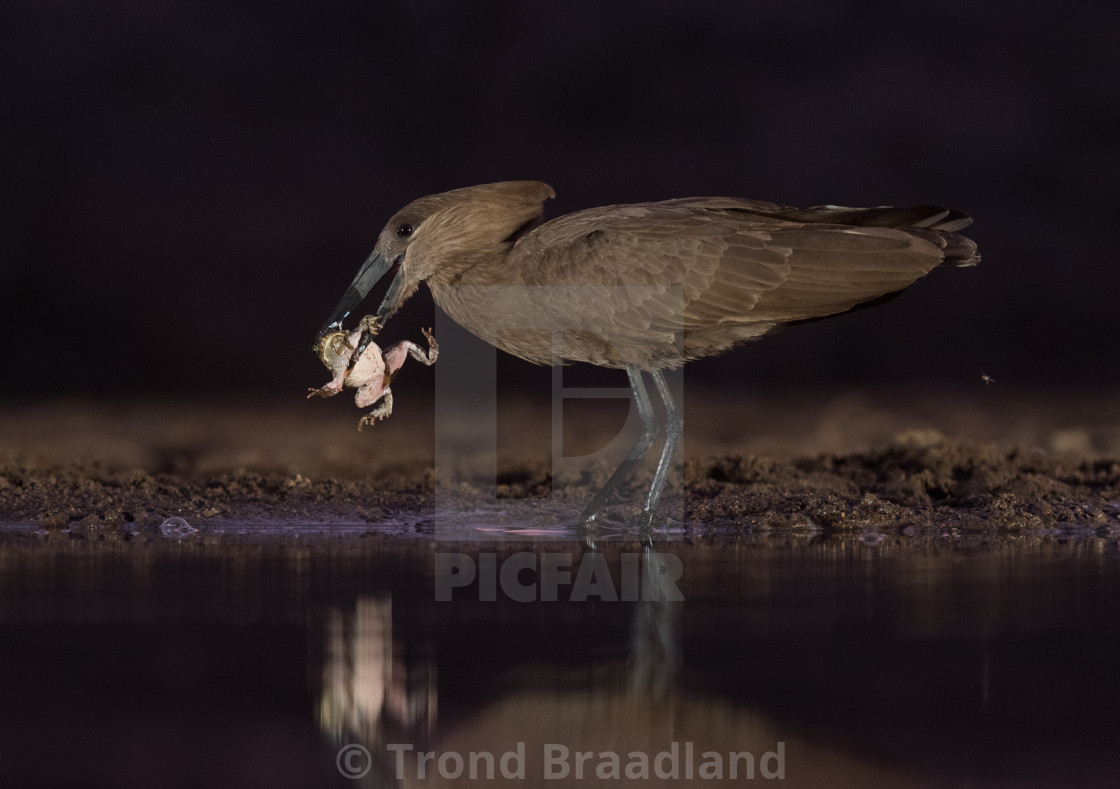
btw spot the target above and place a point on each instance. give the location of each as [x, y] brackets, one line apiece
[707, 265]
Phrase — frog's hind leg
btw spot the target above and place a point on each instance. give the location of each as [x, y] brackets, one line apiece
[382, 408]
[396, 355]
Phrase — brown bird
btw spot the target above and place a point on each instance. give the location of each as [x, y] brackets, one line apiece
[647, 286]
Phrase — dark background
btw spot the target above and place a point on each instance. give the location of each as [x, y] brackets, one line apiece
[188, 187]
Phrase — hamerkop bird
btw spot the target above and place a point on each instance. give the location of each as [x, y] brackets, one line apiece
[647, 286]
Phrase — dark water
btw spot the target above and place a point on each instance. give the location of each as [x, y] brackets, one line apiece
[249, 660]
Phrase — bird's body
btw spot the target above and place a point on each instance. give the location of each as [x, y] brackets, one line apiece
[647, 286]
[657, 284]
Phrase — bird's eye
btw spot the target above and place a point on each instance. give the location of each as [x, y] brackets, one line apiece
[404, 230]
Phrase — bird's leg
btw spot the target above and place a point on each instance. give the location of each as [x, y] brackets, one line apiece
[637, 452]
[674, 428]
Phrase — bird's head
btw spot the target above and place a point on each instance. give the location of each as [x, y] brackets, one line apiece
[438, 236]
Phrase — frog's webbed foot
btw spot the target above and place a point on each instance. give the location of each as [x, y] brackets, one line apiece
[329, 390]
[382, 409]
[372, 324]
[430, 357]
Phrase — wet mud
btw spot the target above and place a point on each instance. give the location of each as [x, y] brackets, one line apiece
[905, 461]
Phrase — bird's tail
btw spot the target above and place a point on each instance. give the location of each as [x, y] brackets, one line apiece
[931, 222]
[959, 251]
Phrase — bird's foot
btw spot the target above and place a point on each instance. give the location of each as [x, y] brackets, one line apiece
[595, 524]
[651, 523]
[625, 522]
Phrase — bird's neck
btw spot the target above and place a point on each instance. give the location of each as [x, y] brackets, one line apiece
[470, 289]
[476, 266]
[469, 270]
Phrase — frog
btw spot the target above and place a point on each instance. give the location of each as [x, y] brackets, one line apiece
[360, 364]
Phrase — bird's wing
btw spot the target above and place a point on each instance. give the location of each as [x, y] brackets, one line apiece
[654, 264]
[834, 268]
[709, 262]
[932, 217]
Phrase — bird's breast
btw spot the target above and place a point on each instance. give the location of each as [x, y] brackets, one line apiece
[555, 324]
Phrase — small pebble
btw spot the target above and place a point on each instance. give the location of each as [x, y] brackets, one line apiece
[177, 528]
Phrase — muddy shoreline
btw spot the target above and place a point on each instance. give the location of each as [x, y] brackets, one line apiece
[839, 462]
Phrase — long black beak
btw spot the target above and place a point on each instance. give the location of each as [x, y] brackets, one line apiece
[371, 272]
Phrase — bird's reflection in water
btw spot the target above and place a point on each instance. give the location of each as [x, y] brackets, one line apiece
[655, 638]
[635, 720]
